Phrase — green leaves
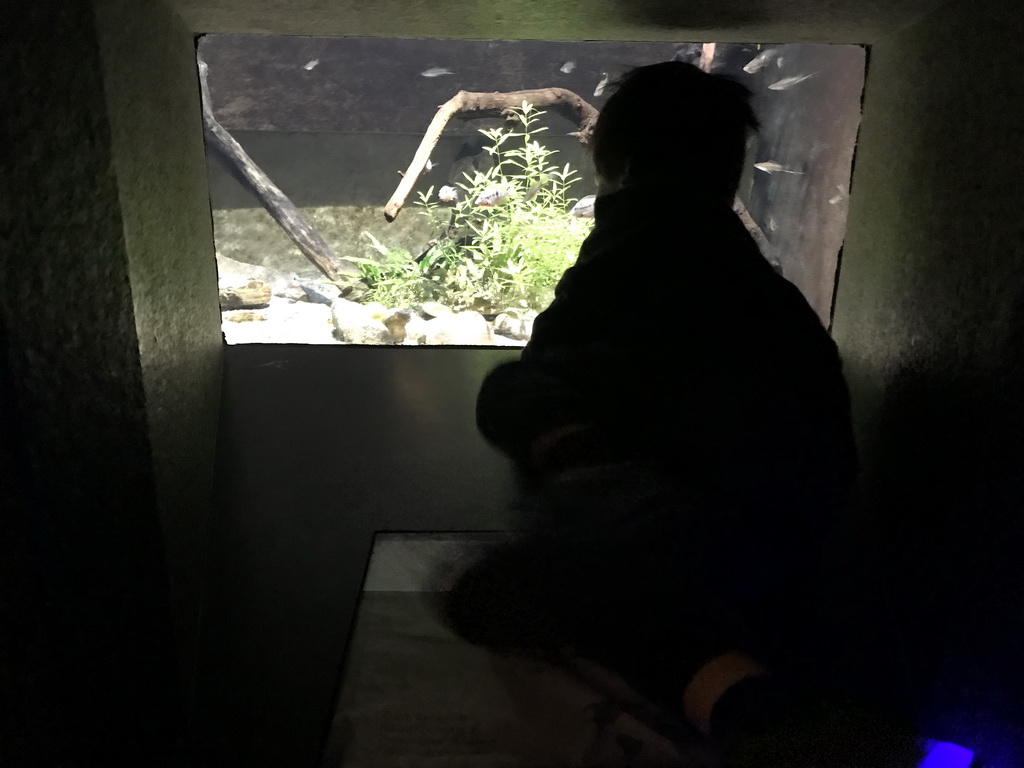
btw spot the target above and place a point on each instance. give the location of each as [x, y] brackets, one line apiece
[492, 258]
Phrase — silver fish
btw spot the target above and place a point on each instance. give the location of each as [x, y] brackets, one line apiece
[772, 167]
[436, 72]
[601, 85]
[771, 224]
[789, 82]
[310, 64]
[778, 62]
[492, 197]
[584, 208]
[431, 165]
[568, 67]
[535, 188]
[760, 61]
[835, 199]
[447, 194]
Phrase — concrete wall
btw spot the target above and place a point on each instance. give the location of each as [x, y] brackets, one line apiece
[930, 319]
[321, 447]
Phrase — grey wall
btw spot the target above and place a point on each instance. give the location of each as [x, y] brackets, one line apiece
[930, 319]
[320, 447]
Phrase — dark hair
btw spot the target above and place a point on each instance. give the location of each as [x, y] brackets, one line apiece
[673, 118]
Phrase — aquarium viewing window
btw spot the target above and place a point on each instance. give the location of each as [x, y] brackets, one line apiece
[336, 221]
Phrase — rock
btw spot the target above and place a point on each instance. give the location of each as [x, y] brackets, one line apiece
[416, 330]
[355, 324]
[297, 322]
[288, 289]
[243, 316]
[515, 325]
[468, 329]
[431, 309]
[396, 321]
[252, 295]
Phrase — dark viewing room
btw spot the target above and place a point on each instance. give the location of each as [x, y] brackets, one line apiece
[512, 385]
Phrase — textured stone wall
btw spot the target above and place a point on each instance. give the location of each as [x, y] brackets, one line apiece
[97, 576]
[156, 132]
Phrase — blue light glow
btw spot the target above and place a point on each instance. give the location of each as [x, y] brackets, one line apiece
[943, 754]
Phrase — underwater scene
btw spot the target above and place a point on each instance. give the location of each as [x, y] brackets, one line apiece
[419, 191]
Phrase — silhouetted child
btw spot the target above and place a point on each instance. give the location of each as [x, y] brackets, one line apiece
[680, 413]
[673, 342]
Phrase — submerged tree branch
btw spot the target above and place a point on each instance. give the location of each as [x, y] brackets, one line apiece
[754, 230]
[468, 105]
[707, 57]
[283, 210]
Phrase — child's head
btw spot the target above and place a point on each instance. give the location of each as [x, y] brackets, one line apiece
[673, 122]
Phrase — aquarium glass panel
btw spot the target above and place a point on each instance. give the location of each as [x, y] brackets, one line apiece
[311, 141]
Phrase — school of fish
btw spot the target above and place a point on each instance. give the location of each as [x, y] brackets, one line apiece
[584, 208]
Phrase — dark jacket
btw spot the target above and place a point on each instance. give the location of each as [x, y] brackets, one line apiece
[676, 338]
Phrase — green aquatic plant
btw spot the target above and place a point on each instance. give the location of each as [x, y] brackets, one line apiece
[510, 254]
[393, 277]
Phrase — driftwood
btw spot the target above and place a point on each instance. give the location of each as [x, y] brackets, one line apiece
[707, 55]
[469, 105]
[283, 210]
[755, 231]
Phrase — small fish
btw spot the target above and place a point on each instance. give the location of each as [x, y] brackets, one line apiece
[584, 208]
[771, 224]
[568, 67]
[431, 165]
[772, 167]
[778, 62]
[492, 197]
[535, 188]
[274, 364]
[834, 200]
[758, 63]
[310, 64]
[601, 85]
[447, 194]
[436, 72]
[789, 82]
